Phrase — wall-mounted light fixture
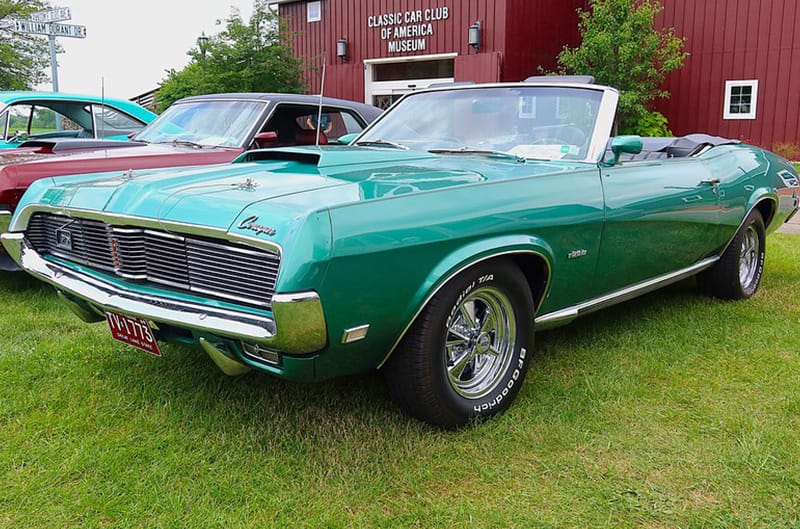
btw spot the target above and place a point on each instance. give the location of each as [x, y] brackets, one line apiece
[341, 49]
[474, 35]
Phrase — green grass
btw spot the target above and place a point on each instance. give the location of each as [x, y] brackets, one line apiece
[672, 410]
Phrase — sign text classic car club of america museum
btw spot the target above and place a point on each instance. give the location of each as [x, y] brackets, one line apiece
[738, 80]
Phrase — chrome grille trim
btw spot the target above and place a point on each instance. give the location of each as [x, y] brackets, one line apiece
[214, 267]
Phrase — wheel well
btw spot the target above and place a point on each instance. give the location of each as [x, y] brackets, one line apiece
[767, 210]
[537, 273]
[533, 266]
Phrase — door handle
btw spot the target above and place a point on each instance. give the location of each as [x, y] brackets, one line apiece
[710, 181]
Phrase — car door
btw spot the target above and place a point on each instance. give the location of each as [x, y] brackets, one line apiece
[660, 216]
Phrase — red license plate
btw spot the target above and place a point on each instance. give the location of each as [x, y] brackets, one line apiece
[133, 331]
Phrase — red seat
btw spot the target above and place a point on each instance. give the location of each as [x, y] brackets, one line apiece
[309, 137]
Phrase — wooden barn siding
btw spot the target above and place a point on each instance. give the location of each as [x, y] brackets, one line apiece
[736, 40]
[537, 30]
[517, 37]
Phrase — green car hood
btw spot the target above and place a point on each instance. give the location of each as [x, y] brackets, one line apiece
[277, 185]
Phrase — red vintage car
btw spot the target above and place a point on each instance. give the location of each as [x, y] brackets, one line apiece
[197, 130]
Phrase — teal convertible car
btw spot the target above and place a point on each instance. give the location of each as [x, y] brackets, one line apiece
[431, 247]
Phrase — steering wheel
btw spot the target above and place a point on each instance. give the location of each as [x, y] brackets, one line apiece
[18, 137]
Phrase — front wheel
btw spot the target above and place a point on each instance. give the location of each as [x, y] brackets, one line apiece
[737, 274]
[466, 355]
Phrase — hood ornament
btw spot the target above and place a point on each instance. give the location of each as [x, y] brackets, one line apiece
[128, 175]
[247, 185]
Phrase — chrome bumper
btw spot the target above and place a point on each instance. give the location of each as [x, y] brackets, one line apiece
[300, 316]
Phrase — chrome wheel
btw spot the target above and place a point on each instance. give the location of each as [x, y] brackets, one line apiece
[479, 342]
[737, 273]
[749, 257]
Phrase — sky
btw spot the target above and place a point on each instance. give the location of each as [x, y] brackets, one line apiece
[130, 44]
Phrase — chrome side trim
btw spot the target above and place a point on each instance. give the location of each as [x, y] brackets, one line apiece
[564, 316]
[301, 318]
[451, 276]
[24, 215]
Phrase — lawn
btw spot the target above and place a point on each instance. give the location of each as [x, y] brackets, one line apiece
[672, 410]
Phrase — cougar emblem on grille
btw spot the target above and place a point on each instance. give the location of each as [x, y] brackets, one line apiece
[64, 239]
[64, 236]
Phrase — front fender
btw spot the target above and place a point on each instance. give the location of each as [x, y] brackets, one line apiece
[465, 257]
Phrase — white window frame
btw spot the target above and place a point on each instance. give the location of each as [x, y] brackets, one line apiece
[729, 86]
[314, 11]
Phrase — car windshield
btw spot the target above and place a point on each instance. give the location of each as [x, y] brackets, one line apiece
[212, 123]
[534, 122]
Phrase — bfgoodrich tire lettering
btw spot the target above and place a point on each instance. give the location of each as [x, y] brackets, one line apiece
[466, 355]
[737, 274]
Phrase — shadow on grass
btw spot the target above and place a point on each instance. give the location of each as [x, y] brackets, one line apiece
[20, 282]
[188, 382]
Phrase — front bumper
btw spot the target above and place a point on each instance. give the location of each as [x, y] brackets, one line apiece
[299, 315]
[6, 263]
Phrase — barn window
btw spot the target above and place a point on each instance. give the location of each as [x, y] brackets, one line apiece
[741, 99]
[313, 12]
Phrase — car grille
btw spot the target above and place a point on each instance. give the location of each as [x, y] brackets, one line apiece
[214, 267]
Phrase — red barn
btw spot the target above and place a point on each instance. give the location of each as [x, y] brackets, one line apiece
[378, 50]
[741, 78]
[736, 82]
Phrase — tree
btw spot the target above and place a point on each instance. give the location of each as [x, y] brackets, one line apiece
[245, 57]
[23, 57]
[621, 48]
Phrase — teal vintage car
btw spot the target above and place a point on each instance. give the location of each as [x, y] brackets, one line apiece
[431, 247]
[45, 115]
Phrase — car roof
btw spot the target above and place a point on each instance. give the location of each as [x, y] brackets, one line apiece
[129, 107]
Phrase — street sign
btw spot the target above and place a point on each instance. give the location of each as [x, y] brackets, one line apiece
[29, 26]
[56, 14]
[68, 30]
[48, 22]
[55, 29]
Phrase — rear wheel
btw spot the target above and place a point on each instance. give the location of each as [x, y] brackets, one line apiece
[737, 274]
[466, 355]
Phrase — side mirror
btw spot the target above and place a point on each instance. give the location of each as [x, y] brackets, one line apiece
[625, 144]
[265, 139]
[347, 138]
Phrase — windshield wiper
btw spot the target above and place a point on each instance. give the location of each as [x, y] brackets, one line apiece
[484, 152]
[383, 142]
[185, 142]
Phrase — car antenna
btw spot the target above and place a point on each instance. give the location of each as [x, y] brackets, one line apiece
[102, 108]
[319, 110]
